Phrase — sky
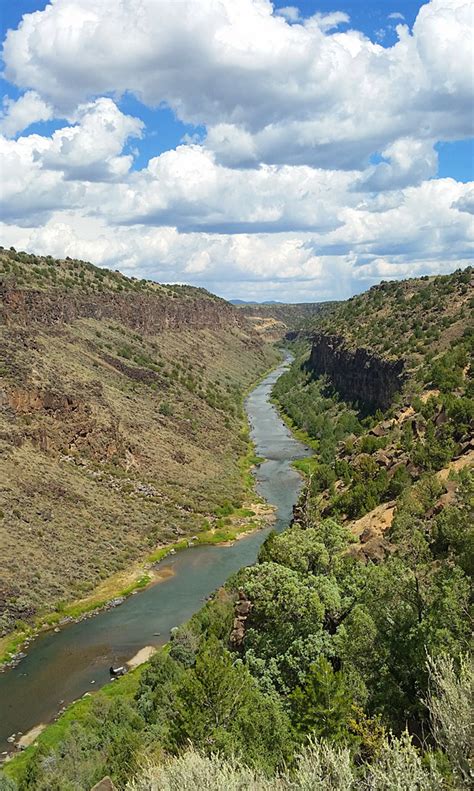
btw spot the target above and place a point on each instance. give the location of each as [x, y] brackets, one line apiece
[265, 151]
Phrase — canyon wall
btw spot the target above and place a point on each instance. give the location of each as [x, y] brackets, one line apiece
[357, 374]
[144, 313]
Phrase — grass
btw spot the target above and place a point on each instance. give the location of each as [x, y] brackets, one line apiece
[297, 432]
[306, 466]
[229, 533]
[246, 464]
[12, 643]
[163, 552]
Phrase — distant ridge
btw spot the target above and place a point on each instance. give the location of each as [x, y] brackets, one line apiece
[251, 302]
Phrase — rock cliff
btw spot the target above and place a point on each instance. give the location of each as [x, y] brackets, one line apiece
[144, 313]
[358, 375]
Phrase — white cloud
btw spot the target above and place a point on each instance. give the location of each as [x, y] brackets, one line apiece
[327, 22]
[92, 149]
[185, 217]
[396, 15]
[21, 113]
[279, 192]
[418, 223]
[300, 92]
[187, 187]
[465, 202]
[282, 266]
[407, 161]
[289, 12]
[41, 174]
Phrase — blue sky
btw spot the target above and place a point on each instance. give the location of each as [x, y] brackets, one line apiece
[202, 147]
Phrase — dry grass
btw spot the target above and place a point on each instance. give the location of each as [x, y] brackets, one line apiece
[102, 463]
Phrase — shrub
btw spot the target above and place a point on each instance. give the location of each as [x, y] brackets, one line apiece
[450, 703]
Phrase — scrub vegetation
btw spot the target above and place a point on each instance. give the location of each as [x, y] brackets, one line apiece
[117, 437]
[341, 659]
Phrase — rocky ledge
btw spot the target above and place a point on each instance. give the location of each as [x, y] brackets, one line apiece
[358, 375]
[145, 313]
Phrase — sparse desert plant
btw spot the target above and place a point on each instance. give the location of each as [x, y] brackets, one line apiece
[400, 766]
[166, 409]
[320, 767]
[451, 706]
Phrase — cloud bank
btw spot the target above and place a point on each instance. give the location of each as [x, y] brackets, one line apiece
[317, 168]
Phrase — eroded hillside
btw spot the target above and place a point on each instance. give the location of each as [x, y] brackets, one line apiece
[415, 325]
[120, 423]
[383, 386]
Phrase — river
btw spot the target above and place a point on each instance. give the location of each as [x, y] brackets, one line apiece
[62, 666]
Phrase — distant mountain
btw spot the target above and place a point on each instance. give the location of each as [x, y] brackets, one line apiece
[251, 302]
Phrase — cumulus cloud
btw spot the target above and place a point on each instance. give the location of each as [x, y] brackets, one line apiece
[41, 173]
[186, 217]
[465, 202]
[405, 162]
[298, 89]
[19, 114]
[91, 150]
[282, 188]
[189, 188]
[327, 21]
[291, 266]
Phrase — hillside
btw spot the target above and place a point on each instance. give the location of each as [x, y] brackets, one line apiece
[120, 425]
[274, 320]
[413, 319]
[401, 357]
[401, 337]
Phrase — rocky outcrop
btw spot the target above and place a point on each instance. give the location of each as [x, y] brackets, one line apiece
[23, 400]
[358, 375]
[104, 785]
[144, 313]
[242, 611]
[286, 313]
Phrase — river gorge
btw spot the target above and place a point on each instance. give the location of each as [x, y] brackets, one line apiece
[62, 666]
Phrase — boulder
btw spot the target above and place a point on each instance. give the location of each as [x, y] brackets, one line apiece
[104, 785]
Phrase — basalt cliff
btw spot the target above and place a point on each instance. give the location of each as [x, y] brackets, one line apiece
[359, 375]
[147, 313]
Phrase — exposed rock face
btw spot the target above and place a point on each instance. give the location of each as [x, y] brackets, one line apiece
[358, 375]
[144, 313]
[242, 611]
[104, 785]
